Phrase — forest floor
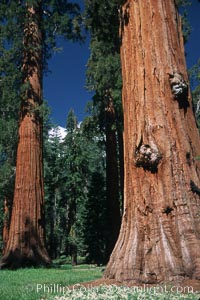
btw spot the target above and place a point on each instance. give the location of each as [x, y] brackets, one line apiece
[84, 282]
[42, 283]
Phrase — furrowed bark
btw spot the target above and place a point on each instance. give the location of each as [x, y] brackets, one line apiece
[160, 234]
[25, 245]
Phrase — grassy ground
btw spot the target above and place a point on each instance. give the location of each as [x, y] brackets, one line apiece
[35, 284]
[52, 284]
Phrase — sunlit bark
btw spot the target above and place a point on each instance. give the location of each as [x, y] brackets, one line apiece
[160, 233]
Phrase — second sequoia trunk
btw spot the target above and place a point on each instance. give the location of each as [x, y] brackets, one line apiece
[160, 234]
[25, 245]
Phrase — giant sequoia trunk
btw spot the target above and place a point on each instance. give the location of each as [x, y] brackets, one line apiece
[25, 245]
[160, 233]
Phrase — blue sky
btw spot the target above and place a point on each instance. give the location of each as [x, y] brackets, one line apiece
[64, 87]
[193, 45]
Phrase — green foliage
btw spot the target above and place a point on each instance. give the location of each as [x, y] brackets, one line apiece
[104, 67]
[52, 179]
[194, 74]
[72, 193]
[10, 79]
[186, 27]
[59, 18]
[105, 81]
[94, 222]
[182, 3]
[71, 123]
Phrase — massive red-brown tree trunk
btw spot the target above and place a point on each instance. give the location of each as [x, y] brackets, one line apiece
[25, 245]
[160, 234]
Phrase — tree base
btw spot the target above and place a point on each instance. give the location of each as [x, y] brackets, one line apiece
[16, 259]
[152, 281]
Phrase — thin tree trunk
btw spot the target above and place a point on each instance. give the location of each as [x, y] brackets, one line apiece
[112, 179]
[73, 250]
[160, 234]
[121, 164]
[53, 240]
[26, 236]
[6, 224]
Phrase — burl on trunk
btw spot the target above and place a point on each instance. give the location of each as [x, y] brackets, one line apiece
[160, 234]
